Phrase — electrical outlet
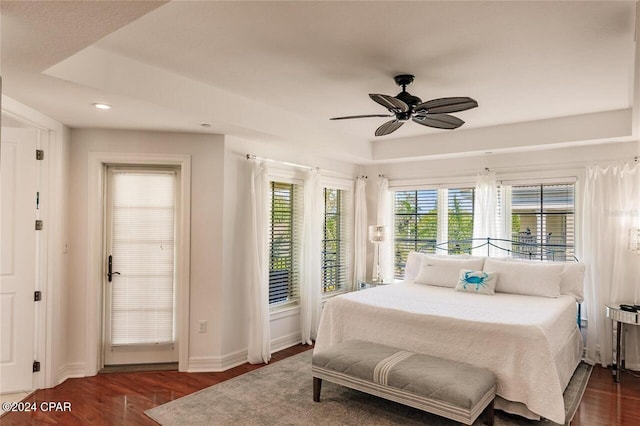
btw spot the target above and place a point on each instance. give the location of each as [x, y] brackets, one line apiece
[203, 326]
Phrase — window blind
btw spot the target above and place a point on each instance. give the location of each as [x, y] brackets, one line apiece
[335, 242]
[460, 219]
[415, 224]
[285, 227]
[143, 249]
[544, 214]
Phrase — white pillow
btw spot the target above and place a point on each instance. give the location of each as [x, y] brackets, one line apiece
[478, 282]
[534, 279]
[444, 271]
[412, 267]
[571, 278]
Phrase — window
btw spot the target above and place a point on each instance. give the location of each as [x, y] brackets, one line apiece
[335, 248]
[284, 242]
[421, 216]
[543, 215]
[460, 219]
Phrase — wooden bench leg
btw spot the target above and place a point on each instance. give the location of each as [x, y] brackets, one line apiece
[488, 414]
[317, 385]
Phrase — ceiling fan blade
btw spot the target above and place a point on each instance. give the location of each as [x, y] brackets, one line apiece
[389, 127]
[389, 102]
[361, 116]
[439, 121]
[446, 105]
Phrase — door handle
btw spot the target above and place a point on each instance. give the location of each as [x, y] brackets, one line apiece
[110, 272]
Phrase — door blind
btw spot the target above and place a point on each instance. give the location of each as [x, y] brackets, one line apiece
[143, 249]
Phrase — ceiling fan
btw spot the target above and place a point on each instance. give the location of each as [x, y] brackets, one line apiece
[404, 106]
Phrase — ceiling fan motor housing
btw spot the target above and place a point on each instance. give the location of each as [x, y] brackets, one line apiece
[404, 80]
[409, 99]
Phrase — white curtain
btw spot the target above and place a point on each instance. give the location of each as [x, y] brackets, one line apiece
[384, 218]
[259, 347]
[359, 233]
[504, 227]
[611, 207]
[310, 281]
[485, 213]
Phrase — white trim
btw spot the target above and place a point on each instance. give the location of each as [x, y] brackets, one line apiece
[49, 319]
[276, 174]
[70, 371]
[336, 183]
[286, 310]
[432, 183]
[204, 364]
[285, 342]
[96, 171]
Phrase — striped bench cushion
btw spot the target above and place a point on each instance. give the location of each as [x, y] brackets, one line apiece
[447, 388]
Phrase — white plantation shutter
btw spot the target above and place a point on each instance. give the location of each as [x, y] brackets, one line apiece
[143, 249]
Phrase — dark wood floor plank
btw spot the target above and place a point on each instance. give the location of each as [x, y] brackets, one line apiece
[122, 398]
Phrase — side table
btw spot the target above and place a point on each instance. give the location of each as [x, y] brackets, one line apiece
[621, 318]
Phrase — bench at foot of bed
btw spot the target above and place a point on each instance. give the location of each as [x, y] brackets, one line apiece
[446, 388]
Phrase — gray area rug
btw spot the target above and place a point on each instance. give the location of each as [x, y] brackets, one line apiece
[281, 394]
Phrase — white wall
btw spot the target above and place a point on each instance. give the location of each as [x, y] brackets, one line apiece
[207, 167]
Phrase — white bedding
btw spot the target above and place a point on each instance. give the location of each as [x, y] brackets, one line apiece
[531, 343]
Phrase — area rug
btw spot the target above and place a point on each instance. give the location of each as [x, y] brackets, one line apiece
[281, 394]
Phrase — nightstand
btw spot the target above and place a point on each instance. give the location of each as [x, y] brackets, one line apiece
[369, 284]
[621, 318]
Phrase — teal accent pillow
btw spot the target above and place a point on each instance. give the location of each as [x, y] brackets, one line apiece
[481, 282]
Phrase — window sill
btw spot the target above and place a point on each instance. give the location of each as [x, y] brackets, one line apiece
[284, 311]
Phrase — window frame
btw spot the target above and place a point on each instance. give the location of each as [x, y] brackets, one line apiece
[293, 177]
[442, 213]
[330, 182]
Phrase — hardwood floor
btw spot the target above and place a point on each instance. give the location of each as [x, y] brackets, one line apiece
[122, 398]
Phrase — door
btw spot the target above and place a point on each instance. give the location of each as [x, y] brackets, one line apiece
[140, 260]
[18, 183]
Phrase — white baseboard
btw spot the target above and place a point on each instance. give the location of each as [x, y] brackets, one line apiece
[204, 364]
[69, 371]
[285, 342]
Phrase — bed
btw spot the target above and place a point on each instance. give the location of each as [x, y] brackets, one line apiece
[532, 343]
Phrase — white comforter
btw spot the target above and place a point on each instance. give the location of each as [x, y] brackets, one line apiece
[520, 338]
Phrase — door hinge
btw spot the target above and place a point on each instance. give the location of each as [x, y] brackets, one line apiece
[36, 366]
[39, 225]
[39, 154]
[37, 296]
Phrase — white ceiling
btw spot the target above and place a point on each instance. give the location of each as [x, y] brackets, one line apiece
[280, 70]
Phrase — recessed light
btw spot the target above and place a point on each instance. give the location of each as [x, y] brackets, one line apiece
[101, 105]
[205, 125]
